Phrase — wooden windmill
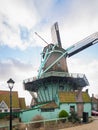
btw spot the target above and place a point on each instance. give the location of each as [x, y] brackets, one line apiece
[53, 73]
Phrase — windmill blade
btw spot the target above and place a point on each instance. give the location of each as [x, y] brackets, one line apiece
[83, 44]
[55, 34]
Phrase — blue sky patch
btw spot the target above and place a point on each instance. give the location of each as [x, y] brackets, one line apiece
[24, 33]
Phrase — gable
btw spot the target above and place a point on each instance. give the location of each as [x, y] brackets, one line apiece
[22, 103]
[3, 105]
[86, 97]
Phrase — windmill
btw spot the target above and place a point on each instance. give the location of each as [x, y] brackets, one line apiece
[53, 73]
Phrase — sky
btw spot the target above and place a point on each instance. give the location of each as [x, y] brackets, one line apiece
[20, 48]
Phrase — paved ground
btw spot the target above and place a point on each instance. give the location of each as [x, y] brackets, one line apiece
[89, 126]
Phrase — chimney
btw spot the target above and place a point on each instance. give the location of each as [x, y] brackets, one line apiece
[86, 90]
[92, 95]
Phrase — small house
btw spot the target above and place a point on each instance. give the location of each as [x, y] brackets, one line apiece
[17, 103]
[94, 101]
[79, 101]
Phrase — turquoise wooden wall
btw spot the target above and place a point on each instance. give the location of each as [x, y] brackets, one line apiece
[28, 115]
[67, 107]
[47, 92]
[87, 108]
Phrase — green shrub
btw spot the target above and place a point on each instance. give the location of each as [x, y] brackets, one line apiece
[63, 114]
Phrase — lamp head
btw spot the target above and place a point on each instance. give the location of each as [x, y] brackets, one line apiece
[10, 83]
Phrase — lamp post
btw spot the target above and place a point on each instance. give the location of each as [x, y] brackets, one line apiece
[10, 85]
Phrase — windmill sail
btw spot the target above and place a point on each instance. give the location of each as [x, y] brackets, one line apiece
[56, 35]
[83, 44]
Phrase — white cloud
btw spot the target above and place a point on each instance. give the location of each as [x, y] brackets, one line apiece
[27, 14]
[18, 71]
[89, 68]
[12, 68]
[19, 13]
[13, 14]
[80, 21]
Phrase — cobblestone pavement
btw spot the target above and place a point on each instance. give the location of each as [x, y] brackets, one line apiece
[90, 126]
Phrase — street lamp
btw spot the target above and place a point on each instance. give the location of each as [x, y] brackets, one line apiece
[10, 85]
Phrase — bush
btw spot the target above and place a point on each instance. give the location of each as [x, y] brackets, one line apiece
[63, 114]
[38, 124]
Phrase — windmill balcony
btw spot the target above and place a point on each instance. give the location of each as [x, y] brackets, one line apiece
[79, 80]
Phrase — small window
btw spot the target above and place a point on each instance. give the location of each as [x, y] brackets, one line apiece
[6, 110]
[47, 110]
[72, 108]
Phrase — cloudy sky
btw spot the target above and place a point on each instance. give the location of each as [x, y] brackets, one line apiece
[20, 48]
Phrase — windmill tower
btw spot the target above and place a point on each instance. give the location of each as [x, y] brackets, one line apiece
[53, 75]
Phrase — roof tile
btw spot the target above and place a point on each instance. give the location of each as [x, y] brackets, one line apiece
[5, 96]
[70, 97]
[50, 105]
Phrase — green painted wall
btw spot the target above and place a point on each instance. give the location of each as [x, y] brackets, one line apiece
[67, 107]
[87, 108]
[27, 116]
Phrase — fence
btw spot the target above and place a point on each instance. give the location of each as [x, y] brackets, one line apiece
[50, 124]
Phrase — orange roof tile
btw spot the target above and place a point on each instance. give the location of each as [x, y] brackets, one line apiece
[50, 105]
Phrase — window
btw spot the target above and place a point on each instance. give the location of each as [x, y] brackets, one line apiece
[47, 110]
[6, 110]
[3, 106]
[72, 108]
